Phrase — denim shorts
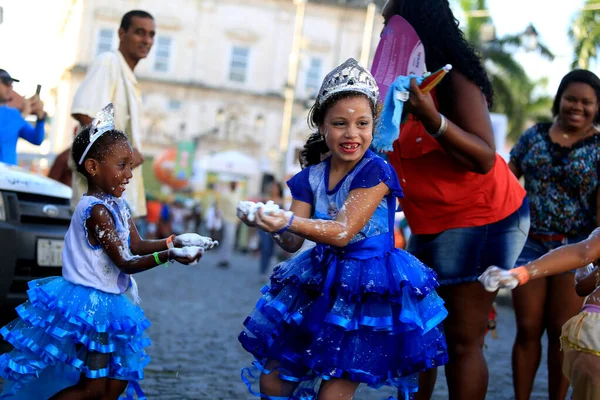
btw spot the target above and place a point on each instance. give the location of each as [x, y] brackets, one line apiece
[462, 254]
[534, 248]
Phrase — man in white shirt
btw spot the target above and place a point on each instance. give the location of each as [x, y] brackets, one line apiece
[110, 79]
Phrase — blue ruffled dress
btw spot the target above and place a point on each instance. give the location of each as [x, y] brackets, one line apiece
[65, 330]
[366, 312]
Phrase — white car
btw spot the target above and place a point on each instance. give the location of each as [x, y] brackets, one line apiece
[35, 213]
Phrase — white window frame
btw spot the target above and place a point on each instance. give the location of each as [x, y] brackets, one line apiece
[162, 57]
[101, 42]
[313, 77]
[239, 70]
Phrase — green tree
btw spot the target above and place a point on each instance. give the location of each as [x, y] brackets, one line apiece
[585, 34]
[514, 90]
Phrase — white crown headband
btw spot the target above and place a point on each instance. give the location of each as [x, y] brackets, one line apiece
[103, 122]
[349, 77]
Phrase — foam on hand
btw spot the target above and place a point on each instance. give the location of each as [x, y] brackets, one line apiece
[495, 278]
[250, 208]
[193, 239]
[188, 251]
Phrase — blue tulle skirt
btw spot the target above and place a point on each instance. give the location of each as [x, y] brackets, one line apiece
[67, 330]
[359, 313]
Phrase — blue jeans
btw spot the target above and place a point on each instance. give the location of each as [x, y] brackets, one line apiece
[267, 248]
[462, 254]
[534, 248]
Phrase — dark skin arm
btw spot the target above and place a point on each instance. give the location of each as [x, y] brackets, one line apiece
[84, 120]
[469, 138]
[102, 230]
[587, 285]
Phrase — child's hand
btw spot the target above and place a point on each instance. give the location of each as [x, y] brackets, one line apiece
[495, 278]
[188, 255]
[193, 239]
[273, 221]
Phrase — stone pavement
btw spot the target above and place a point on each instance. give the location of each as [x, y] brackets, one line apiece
[197, 313]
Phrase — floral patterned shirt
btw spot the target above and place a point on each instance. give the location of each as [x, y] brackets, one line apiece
[561, 182]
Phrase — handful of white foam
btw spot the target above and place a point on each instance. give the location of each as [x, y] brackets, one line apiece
[194, 246]
[195, 240]
[189, 251]
[495, 278]
[249, 209]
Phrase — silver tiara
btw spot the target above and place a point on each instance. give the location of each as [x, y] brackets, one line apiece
[104, 121]
[349, 77]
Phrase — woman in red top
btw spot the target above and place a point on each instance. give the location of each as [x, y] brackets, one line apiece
[465, 208]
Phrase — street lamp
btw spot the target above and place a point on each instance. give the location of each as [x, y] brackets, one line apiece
[290, 87]
[529, 38]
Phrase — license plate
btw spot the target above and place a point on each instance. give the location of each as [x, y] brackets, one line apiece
[49, 252]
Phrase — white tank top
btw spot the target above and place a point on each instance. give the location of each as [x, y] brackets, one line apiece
[87, 265]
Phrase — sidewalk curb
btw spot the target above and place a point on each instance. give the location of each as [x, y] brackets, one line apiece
[504, 298]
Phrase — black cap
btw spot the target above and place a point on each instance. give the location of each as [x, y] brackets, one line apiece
[5, 77]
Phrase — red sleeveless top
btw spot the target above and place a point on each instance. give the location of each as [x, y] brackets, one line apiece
[440, 194]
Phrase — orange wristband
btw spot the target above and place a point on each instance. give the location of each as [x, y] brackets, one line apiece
[170, 244]
[522, 274]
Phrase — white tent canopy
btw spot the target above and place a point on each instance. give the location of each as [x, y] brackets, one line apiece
[230, 163]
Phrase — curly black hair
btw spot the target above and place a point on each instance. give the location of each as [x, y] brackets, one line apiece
[98, 150]
[315, 145]
[581, 76]
[444, 43]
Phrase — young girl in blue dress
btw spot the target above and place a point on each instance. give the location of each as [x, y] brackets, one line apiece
[353, 309]
[79, 336]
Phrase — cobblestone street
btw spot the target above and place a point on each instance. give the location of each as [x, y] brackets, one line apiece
[197, 313]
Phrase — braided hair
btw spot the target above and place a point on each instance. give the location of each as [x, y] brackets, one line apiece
[316, 146]
[444, 43]
[98, 150]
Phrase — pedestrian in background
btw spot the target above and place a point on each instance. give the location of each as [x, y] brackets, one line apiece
[560, 162]
[12, 124]
[267, 245]
[465, 209]
[227, 202]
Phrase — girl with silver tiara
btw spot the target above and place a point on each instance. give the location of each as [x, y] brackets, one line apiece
[79, 336]
[353, 309]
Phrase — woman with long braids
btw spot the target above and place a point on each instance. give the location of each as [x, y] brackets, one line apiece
[465, 208]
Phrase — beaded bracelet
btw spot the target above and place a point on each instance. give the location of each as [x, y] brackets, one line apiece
[286, 227]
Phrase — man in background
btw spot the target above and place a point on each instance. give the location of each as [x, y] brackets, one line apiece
[227, 204]
[12, 124]
[110, 79]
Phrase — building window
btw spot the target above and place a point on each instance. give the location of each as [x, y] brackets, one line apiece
[238, 69]
[174, 105]
[163, 54]
[313, 76]
[105, 40]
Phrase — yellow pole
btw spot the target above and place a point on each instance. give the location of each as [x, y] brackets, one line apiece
[290, 87]
[367, 34]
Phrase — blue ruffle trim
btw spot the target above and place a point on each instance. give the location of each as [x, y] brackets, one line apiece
[62, 323]
[381, 326]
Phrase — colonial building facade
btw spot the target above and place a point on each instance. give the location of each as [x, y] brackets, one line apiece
[219, 69]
